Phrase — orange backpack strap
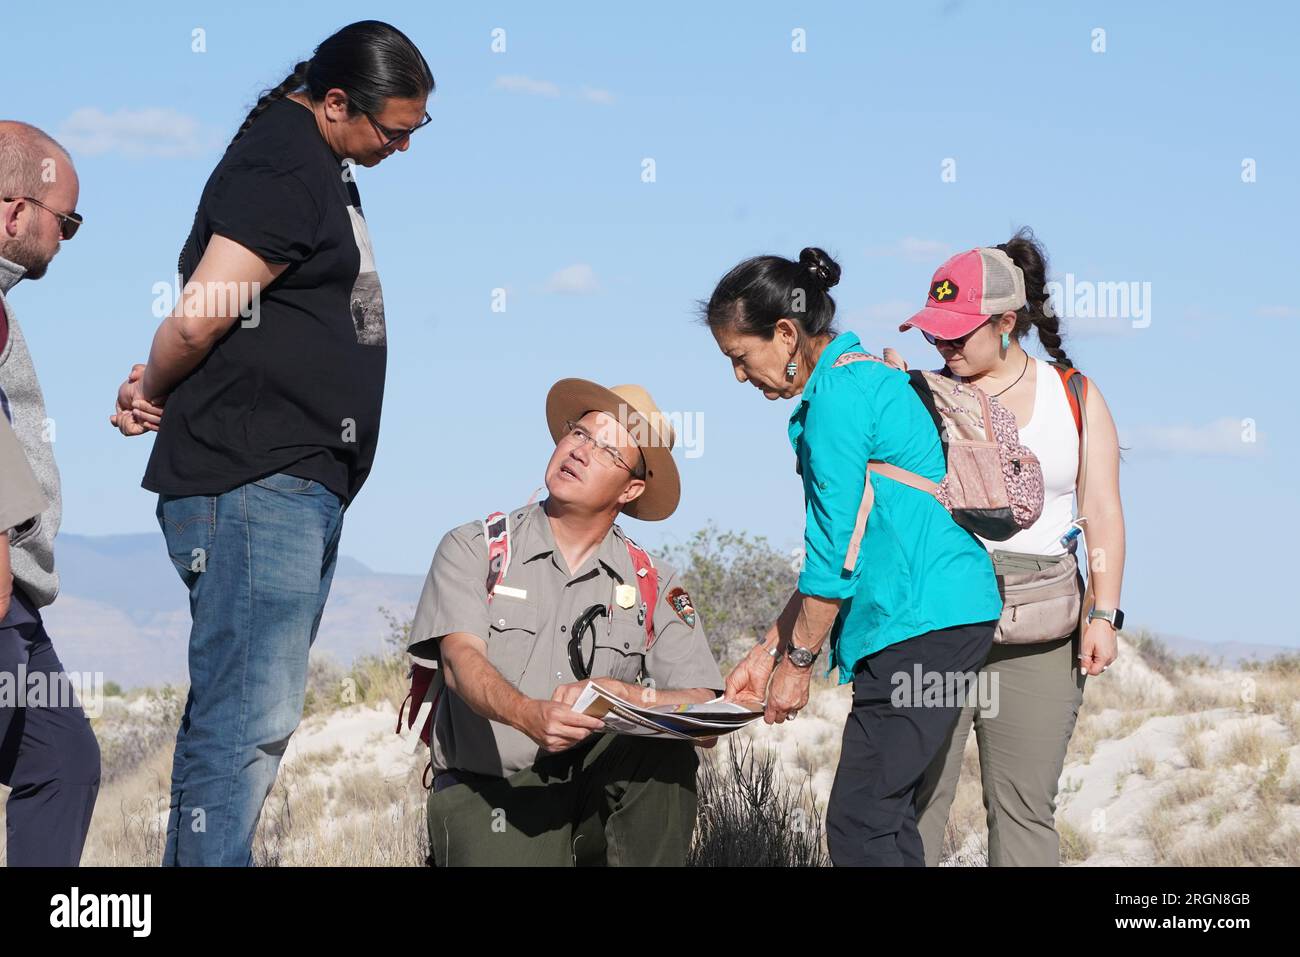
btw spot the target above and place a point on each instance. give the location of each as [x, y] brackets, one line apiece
[1076, 391]
[647, 583]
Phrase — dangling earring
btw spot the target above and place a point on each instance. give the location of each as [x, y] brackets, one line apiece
[791, 368]
[1006, 341]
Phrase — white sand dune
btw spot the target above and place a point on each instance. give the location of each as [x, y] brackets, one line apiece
[1171, 763]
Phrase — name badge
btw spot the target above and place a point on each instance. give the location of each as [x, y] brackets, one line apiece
[511, 592]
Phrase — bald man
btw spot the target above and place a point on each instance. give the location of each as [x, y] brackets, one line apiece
[48, 753]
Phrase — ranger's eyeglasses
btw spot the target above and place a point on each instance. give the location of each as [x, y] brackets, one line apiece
[610, 455]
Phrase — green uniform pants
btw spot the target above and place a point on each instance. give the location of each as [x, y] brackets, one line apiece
[620, 800]
[1022, 751]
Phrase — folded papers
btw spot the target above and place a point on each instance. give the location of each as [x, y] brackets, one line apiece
[709, 719]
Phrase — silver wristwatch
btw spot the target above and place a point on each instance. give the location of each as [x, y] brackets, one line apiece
[1114, 616]
[800, 657]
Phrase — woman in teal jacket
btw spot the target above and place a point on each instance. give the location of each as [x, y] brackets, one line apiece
[906, 597]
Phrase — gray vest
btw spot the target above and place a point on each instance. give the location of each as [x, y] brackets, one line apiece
[32, 543]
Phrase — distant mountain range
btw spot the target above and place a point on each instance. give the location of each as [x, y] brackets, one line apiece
[123, 611]
[1231, 654]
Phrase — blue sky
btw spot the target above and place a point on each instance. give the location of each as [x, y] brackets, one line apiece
[1128, 163]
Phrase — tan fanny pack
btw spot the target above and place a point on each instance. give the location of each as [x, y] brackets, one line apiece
[1042, 597]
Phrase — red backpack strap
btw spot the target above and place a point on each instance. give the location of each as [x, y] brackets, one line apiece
[421, 704]
[1076, 391]
[422, 699]
[647, 583]
[496, 533]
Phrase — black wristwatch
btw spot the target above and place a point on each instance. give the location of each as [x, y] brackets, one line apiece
[800, 657]
[1114, 616]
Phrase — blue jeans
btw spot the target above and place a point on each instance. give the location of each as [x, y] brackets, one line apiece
[258, 562]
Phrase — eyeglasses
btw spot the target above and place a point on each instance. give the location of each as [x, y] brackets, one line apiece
[960, 340]
[606, 453]
[69, 223]
[394, 136]
[585, 622]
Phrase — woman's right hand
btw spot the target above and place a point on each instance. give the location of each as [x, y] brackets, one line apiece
[747, 683]
[892, 358]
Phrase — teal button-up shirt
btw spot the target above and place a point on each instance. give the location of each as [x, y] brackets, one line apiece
[917, 570]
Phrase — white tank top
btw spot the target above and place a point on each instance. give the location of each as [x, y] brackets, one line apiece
[1052, 436]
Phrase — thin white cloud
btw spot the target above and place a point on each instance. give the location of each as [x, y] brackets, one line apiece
[578, 280]
[914, 250]
[156, 132]
[1279, 312]
[1222, 437]
[527, 85]
[532, 86]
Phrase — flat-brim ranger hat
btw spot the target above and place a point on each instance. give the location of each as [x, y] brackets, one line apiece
[570, 399]
[966, 290]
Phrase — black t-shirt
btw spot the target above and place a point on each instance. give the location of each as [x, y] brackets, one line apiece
[298, 387]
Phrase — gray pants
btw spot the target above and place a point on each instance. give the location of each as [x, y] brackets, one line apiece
[1022, 751]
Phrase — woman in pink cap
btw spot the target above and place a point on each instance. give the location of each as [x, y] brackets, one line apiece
[981, 304]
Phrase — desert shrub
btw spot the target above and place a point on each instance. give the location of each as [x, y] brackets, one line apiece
[1282, 665]
[739, 585]
[1154, 652]
[127, 741]
[750, 815]
[324, 681]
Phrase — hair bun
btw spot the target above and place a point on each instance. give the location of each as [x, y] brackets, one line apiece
[824, 269]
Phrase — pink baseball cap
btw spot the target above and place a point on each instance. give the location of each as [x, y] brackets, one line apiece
[966, 290]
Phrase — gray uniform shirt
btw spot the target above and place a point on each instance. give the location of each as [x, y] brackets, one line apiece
[527, 627]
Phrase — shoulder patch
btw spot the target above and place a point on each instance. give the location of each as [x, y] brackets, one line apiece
[680, 602]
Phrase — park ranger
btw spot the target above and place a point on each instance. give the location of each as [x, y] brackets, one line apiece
[519, 611]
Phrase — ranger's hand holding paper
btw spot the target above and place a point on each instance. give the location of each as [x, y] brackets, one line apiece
[699, 722]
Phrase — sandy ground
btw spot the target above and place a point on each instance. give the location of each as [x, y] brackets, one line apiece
[1183, 766]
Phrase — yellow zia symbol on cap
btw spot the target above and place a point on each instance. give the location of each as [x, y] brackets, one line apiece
[943, 290]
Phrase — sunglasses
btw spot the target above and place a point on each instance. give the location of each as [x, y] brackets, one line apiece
[394, 136]
[69, 223]
[960, 340]
[586, 622]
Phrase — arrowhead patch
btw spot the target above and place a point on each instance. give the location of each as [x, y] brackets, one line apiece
[680, 602]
